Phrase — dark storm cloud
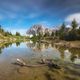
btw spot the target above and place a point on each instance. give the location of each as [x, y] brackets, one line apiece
[16, 13]
[40, 5]
[42, 9]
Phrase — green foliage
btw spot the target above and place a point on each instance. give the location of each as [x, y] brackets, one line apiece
[18, 34]
[34, 38]
[7, 33]
[74, 24]
[1, 29]
[52, 34]
[62, 31]
[70, 34]
[46, 34]
[37, 37]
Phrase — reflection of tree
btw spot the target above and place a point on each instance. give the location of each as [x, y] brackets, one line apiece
[0, 50]
[75, 53]
[46, 45]
[73, 58]
[17, 44]
[7, 44]
[4, 45]
[38, 46]
[52, 44]
[61, 50]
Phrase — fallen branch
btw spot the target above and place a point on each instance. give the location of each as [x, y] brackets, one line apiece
[43, 63]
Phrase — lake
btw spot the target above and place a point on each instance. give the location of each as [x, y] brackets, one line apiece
[32, 53]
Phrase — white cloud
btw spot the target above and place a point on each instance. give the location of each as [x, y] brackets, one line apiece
[68, 26]
[71, 17]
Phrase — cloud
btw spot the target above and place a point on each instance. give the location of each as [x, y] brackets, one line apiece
[68, 26]
[71, 17]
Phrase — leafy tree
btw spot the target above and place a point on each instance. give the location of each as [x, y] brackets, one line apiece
[6, 33]
[39, 36]
[17, 34]
[74, 24]
[78, 31]
[57, 33]
[52, 34]
[1, 29]
[62, 31]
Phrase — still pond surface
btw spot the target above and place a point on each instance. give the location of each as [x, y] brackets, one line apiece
[32, 53]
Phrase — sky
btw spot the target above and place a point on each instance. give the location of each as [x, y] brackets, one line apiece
[20, 15]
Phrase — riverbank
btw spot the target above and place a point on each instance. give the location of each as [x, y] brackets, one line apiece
[11, 39]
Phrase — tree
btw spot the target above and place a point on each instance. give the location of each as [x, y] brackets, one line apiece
[62, 27]
[78, 31]
[1, 29]
[52, 34]
[17, 34]
[62, 31]
[6, 33]
[74, 24]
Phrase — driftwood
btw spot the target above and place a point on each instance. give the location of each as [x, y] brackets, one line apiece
[43, 62]
[22, 63]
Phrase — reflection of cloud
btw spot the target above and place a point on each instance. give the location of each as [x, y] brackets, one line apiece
[71, 17]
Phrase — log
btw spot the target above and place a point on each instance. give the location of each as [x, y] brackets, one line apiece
[43, 63]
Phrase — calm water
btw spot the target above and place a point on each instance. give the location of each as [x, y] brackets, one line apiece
[31, 52]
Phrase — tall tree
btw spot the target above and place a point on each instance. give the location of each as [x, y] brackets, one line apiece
[17, 34]
[74, 24]
[62, 31]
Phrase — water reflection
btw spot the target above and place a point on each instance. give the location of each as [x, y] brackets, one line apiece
[31, 53]
[66, 54]
[48, 49]
[18, 44]
[4, 45]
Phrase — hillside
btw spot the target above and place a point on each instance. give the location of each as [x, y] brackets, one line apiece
[6, 36]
